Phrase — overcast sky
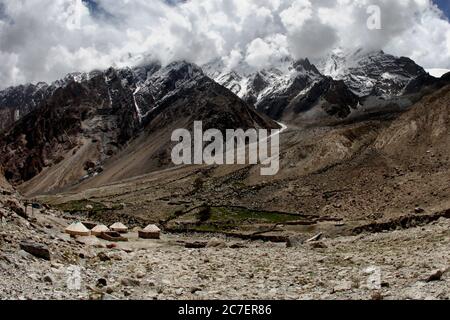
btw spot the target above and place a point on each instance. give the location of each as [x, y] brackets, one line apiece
[42, 40]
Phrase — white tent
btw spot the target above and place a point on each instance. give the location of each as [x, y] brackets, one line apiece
[119, 227]
[78, 229]
[97, 230]
[150, 232]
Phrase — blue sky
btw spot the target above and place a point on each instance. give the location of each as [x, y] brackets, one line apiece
[444, 5]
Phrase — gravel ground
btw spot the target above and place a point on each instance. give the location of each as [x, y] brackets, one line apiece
[391, 265]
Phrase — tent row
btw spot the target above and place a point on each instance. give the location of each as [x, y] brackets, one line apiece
[79, 229]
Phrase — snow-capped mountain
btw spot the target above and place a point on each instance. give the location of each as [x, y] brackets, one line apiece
[291, 86]
[93, 116]
[256, 85]
[16, 102]
[371, 73]
[339, 83]
[336, 85]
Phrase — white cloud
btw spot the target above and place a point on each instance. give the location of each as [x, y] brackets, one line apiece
[232, 60]
[45, 39]
[262, 53]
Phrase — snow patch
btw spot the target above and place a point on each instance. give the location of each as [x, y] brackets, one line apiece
[138, 110]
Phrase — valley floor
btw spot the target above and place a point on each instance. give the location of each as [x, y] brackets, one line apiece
[344, 181]
[389, 265]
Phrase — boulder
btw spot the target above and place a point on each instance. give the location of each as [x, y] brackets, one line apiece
[101, 283]
[48, 278]
[15, 206]
[238, 245]
[78, 229]
[129, 282]
[295, 241]
[343, 286]
[119, 227]
[37, 250]
[216, 243]
[195, 244]
[435, 276]
[150, 232]
[317, 245]
[419, 210]
[103, 257]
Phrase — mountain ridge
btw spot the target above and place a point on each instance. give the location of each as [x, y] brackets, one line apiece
[89, 119]
[372, 73]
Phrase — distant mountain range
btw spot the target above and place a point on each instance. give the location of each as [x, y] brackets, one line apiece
[70, 128]
[286, 87]
[335, 85]
[84, 119]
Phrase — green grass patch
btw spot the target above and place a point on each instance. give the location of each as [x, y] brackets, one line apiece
[81, 206]
[226, 219]
[208, 228]
[242, 215]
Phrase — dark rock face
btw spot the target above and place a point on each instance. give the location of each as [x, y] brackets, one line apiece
[426, 82]
[279, 92]
[275, 104]
[334, 97]
[17, 207]
[36, 249]
[108, 109]
[98, 106]
[181, 100]
[16, 102]
[198, 98]
[339, 99]
[43, 137]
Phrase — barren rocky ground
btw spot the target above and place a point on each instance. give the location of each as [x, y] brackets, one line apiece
[402, 264]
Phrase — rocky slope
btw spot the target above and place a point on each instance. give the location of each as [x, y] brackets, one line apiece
[382, 167]
[423, 131]
[183, 94]
[16, 102]
[39, 261]
[91, 117]
[407, 264]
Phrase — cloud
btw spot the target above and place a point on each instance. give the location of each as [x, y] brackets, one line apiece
[44, 40]
[264, 53]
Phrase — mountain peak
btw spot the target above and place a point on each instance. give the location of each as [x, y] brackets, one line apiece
[305, 65]
[370, 72]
